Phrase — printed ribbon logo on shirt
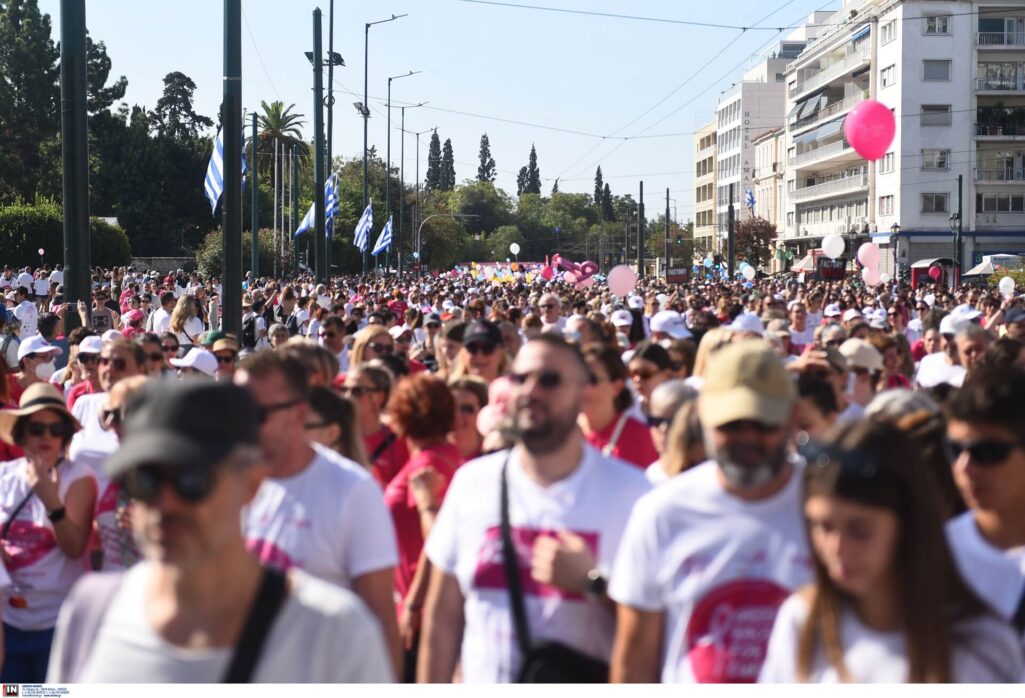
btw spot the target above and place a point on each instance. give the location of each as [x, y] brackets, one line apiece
[490, 573]
[728, 632]
[26, 544]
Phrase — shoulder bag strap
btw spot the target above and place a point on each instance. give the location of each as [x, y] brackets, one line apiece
[1018, 620]
[257, 627]
[512, 570]
[620, 425]
[14, 514]
[383, 446]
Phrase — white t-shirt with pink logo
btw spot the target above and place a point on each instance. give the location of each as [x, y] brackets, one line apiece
[594, 503]
[329, 521]
[719, 568]
[41, 574]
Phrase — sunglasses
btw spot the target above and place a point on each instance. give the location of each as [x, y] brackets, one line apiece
[480, 348]
[263, 412]
[546, 378]
[225, 359]
[657, 422]
[88, 358]
[359, 391]
[381, 348]
[984, 452]
[117, 364]
[743, 424]
[167, 349]
[58, 430]
[192, 483]
[467, 410]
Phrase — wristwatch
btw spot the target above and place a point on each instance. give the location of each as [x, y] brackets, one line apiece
[596, 584]
[57, 514]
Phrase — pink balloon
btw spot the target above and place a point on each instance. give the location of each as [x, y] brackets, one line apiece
[871, 276]
[584, 283]
[569, 277]
[622, 280]
[870, 128]
[547, 273]
[935, 273]
[588, 269]
[868, 254]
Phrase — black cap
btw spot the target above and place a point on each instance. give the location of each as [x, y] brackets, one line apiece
[185, 423]
[482, 331]
[655, 353]
[1014, 316]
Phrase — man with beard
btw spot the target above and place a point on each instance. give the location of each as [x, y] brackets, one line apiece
[567, 507]
[708, 557]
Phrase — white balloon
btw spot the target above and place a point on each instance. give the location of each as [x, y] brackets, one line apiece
[514, 248]
[885, 277]
[1006, 286]
[833, 246]
[749, 273]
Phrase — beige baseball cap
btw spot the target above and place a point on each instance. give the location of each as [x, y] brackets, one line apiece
[746, 381]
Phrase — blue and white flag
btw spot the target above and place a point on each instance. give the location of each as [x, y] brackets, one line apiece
[384, 241]
[331, 207]
[361, 235]
[749, 199]
[214, 183]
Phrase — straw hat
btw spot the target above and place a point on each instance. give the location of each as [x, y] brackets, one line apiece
[36, 398]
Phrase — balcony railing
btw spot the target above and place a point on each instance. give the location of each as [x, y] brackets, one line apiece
[998, 84]
[1000, 175]
[999, 129]
[1000, 39]
[834, 187]
[833, 71]
[830, 111]
[817, 153]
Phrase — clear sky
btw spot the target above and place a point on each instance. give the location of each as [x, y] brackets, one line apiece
[576, 72]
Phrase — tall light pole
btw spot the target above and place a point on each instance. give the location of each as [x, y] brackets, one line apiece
[366, 112]
[894, 242]
[402, 183]
[333, 59]
[319, 215]
[387, 167]
[231, 123]
[75, 156]
[417, 213]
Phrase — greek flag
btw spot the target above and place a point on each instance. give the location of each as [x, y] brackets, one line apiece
[331, 207]
[362, 232]
[749, 199]
[214, 183]
[384, 241]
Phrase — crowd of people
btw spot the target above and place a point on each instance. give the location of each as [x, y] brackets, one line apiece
[447, 478]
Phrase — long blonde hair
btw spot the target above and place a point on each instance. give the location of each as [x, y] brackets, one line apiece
[713, 340]
[684, 433]
[184, 311]
[461, 367]
[361, 340]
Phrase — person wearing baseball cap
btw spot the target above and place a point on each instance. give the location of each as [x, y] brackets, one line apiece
[668, 324]
[735, 513]
[225, 349]
[865, 362]
[35, 365]
[1014, 323]
[190, 460]
[483, 354]
[87, 357]
[197, 362]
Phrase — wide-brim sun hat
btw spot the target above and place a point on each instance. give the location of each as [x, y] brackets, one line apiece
[36, 398]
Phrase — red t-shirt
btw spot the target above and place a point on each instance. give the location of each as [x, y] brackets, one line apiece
[14, 389]
[77, 391]
[398, 497]
[389, 462]
[633, 446]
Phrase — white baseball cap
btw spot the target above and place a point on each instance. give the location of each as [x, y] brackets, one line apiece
[36, 345]
[861, 354]
[622, 318]
[635, 303]
[832, 310]
[747, 322]
[851, 314]
[671, 323]
[90, 345]
[111, 335]
[199, 359]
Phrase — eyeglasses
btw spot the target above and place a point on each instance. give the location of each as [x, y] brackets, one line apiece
[111, 417]
[657, 422]
[168, 349]
[58, 430]
[225, 359]
[263, 412]
[156, 356]
[117, 364]
[987, 452]
[743, 424]
[192, 483]
[433, 324]
[546, 378]
[359, 391]
[88, 358]
[381, 348]
[480, 348]
[468, 410]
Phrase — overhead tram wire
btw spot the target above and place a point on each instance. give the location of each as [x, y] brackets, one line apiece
[256, 47]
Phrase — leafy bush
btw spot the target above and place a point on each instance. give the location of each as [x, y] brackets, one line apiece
[209, 258]
[25, 228]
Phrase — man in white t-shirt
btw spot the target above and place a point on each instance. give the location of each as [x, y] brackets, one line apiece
[190, 460]
[57, 275]
[26, 311]
[708, 557]
[160, 321]
[984, 429]
[568, 505]
[316, 510]
[943, 366]
[25, 278]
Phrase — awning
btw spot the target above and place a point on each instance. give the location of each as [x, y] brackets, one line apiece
[861, 32]
[806, 264]
[984, 269]
[792, 113]
[823, 131]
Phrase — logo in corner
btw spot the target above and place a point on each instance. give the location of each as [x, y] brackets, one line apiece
[11, 690]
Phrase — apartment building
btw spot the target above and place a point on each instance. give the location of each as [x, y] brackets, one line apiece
[704, 190]
[955, 80]
[767, 178]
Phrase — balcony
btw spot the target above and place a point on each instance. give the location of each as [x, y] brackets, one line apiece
[836, 187]
[999, 129]
[829, 112]
[998, 39]
[832, 72]
[1009, 84]
[1007, 174]
[831, 150]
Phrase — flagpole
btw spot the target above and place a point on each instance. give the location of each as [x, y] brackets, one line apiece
[294, 213]
[231, 121]
[318, 147]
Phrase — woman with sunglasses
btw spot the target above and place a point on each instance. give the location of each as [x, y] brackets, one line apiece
[369, 387]
[46, 518]
[372, 342]
[184, 322]
[605, 417]
[471, 395]
[483, 354]
[887, 604]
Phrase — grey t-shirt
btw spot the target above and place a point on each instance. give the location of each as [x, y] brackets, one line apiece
[323, 634]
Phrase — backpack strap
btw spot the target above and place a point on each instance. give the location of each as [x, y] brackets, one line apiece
[268, 601]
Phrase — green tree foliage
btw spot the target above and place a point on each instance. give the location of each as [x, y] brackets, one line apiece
[555, 187]
[100, 96]
[175, 116]
[753, 239]
[486, 171]
[278, 125]
[521, 181]
[599, 184]
[448, 167]
[533, 182]
[209, 255]
[25, 228]
[433, 180]
[608, 212]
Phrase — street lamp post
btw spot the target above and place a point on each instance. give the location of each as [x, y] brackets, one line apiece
[955, 228]
[387, 168]
[895, 242]
[323, 247]
[365, 111]
[402, 183]
[417, 213]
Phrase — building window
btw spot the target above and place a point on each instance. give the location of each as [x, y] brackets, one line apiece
[934, 203]
[935, 115]
[790, 219]
[936, 70]
[888, 76]
[886, 164]
[888, 32]
[935, 159]
[939, 24]
[1000, 203]
[886, 205]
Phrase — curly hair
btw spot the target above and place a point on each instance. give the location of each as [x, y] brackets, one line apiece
[421, 407]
